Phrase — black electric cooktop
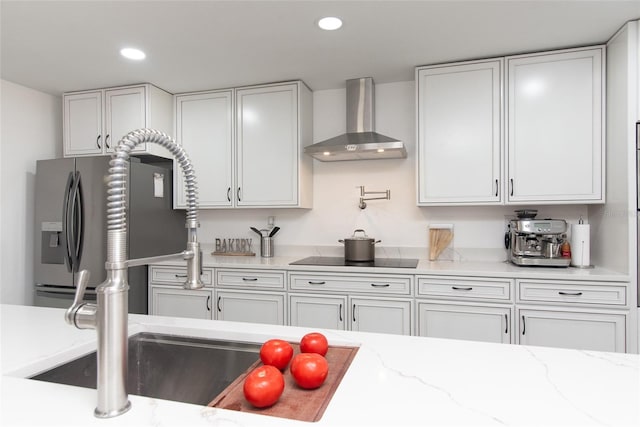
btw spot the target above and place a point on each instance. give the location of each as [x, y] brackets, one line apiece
[340, 261]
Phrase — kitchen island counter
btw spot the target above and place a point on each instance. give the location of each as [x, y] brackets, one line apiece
[393, 380]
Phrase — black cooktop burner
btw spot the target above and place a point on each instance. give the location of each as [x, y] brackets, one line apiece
[340, 261]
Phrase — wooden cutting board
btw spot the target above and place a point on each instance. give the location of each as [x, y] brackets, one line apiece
[295, 403]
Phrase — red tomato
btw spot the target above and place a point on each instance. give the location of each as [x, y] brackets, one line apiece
[309, 370]
[276, 353]
[263, 386]
[314, 342]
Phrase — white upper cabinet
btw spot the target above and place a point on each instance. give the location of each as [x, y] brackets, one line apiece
[459, 133]
[548, 149]
[204, 128]
[554, 127]
[272, 127]
[247, 145]
[94, 121]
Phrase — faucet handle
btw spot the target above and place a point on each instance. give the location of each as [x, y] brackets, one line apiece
[81, 286]
[81, 314]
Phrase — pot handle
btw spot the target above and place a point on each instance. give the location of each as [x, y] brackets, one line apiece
[359, 230]
[341, 241]
[377, 241]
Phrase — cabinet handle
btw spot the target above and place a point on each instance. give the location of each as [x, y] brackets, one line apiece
[229, 194]
[315, 283]
[574, 294]
[238, 194]
[506, 324]
[380, 285]
[354, 312]
[208, 302]
[497, 187]
[98, 141]
[340, 312]
[250, 279]
[181, 276]
[457, 288]
[106, 141]
[218, 305]
[511, 186]
[524, 326]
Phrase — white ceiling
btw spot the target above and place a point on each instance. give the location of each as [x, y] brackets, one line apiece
[57, 46]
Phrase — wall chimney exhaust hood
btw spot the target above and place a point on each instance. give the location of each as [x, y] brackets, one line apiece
[360, 142]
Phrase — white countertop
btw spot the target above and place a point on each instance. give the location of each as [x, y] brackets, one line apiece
[393, 380]
[492, 266]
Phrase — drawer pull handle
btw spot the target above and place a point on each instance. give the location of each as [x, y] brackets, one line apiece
[524, 326]
[354, 312]
[457, 288]
[340, 312]
[250, 279]
[573, 294]
[208, 302]
[380, 285]
[218, 305]
[181, 276]
[315, 283]
[506, 324]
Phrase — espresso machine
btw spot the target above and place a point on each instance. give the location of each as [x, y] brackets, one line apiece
[536, 242]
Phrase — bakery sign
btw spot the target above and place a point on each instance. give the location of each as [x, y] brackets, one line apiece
[241, 247]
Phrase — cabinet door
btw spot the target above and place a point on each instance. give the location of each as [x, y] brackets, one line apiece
[572, 329]
[83, 124]
[554, 127]
[255, 307]
[381, 315]
[465, 322]
[459, 133]
[318, 311]
[174, 302]
[267, 145]
[204, 127]
[124, 112]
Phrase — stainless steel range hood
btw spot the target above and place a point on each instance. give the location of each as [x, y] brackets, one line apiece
[360, 142]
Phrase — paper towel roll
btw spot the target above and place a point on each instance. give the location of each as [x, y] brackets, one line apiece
[580, 247]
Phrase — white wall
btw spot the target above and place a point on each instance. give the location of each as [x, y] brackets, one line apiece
[31, 129]
[398, 222]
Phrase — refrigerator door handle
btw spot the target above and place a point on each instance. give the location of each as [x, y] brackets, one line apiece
[66, 219]
[77, 209]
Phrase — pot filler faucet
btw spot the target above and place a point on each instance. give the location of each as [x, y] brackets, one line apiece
[109, 316]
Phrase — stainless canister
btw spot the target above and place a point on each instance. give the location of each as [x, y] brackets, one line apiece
[266, 247]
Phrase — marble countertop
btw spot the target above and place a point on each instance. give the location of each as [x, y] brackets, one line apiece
[473, 265]
[393, 380]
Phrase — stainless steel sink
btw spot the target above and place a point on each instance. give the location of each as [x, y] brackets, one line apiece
[183, 369]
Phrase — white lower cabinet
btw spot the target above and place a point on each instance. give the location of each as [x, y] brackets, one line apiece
[464, 321]
[578, 329]
[365, 314]
[250, 306]
[176, 302]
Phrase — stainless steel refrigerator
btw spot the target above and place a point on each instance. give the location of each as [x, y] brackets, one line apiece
[71, 227]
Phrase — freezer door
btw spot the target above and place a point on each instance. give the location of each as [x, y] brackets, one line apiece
[52, 187]
[93, 173]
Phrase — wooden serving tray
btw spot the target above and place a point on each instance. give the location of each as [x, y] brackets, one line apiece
[295, 403]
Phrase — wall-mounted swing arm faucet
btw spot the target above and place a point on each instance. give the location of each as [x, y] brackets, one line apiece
[109, 316]
[363, 193]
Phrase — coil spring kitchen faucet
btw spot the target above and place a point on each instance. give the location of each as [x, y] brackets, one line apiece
[109, 316]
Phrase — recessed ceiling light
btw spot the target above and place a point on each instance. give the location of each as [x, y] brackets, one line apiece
[131, 53]
[330, 23]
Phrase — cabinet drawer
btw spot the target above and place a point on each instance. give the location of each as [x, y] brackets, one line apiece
[250, 278]
[377, 284]
[177, 275]
[475, 289]
[580, 293]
